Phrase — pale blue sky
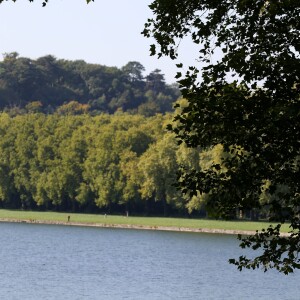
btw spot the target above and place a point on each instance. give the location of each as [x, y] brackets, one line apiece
[103, 32]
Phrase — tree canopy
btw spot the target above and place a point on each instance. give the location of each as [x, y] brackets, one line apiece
[246, 100]
[48, 84]
[106, 163]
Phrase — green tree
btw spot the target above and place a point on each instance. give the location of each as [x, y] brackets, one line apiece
[100, 169]
[254, 115]
[23, 160]
[7, 190]
[130, 178]
[134, 71]
[158, 168]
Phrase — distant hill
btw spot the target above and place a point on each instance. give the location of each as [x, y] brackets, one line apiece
[49, 85]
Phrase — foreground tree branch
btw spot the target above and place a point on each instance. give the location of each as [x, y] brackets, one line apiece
[248, 101]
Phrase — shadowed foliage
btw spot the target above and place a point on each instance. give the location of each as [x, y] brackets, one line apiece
[247, 100]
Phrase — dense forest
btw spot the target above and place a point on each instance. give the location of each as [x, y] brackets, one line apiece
[51, 85]
[109, 163]
[105, 163]
[89, 138]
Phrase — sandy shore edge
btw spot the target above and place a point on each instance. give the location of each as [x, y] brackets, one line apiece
[127, 226]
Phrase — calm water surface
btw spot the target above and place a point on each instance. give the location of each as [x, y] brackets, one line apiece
[61, 262]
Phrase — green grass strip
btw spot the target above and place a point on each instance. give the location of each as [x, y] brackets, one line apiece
[138, 221]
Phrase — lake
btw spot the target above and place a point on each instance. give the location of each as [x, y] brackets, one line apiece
[63, 262]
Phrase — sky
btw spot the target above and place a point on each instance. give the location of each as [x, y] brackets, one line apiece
[102, 32]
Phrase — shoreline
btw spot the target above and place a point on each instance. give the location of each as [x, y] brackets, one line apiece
[138, 227]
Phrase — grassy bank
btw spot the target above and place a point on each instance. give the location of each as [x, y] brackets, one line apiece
[138, 221]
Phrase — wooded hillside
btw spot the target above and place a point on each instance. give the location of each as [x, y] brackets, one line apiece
[52, 85]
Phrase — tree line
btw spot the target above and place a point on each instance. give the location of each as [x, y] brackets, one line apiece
[108, 163]
[104, 163]
[52, 85]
